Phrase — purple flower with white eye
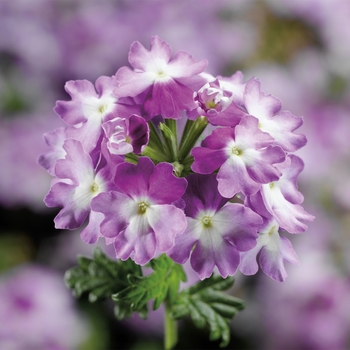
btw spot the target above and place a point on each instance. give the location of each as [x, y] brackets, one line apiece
[142, 217]
[245, 157]
[281, 198]
[89, 107]
[77, 183]
[126, 135]
[165, 83]
[273, 251]
[280, 124]
[218, 230]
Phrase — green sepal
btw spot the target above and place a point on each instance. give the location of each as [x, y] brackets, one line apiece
[100, 277]
[162, 284]
[207, 304]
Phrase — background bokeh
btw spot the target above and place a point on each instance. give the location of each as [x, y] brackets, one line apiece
[300, 51]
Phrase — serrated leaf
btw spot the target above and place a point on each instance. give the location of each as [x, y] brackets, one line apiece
[100, 277]
[207, 304]
[161, 284]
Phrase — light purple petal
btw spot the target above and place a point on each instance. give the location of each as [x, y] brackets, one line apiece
[91, 233]
[185, 242]
[167, 222]
[144, 60]
[137, 241]
[238, 225]
[132, 83]
[257, 103]
[233, 177]
[274, 254]
[184, 65]
[212, 250]
[71, 216]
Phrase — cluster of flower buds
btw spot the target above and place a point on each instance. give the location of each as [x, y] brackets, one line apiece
[164, 158]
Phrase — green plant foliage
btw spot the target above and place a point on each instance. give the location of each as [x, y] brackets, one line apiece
[207, 304]
[163, 283]
[100, 277]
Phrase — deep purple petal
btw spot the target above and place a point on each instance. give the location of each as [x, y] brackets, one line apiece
[138, 133]
[207, 160]
[134, 179]
[164, 186]
[219, 138]
[202, 193]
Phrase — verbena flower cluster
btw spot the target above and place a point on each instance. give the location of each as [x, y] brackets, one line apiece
[133, 163]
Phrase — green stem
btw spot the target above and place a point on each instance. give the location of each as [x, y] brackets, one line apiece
[170, 329]
[170, 141]
[193, 134]
[156, 156]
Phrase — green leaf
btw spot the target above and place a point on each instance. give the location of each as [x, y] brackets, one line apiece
[162, 284]
[100, 277]
[207, 304]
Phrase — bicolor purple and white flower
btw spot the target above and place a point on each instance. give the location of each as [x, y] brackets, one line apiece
[126, 135]
[273, 251]
[281, 198]
[216, 100]
[217, 230]
[88, 108]
[77, 182]
[165, 83]
[244, 154]
[142, 216]
[280, 124]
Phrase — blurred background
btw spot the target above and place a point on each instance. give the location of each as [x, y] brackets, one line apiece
[300, 50]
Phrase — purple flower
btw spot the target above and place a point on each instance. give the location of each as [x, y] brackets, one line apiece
[217, 101]
[280, 124]
[164, 82]
[126, 135]
[218, 230]
[281, 198]
[245, 157]
[273, 250]
[76, 184]
[88, 109]
[142, 217]
[37, 312]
